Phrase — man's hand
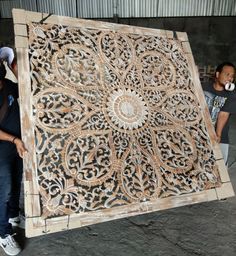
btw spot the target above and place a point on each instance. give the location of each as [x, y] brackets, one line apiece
[218, 138]
[20, 147]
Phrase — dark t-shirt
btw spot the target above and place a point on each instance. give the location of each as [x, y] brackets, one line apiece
[219, 101]
[11, 121]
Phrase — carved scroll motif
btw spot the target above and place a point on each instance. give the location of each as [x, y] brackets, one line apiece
[116, 120]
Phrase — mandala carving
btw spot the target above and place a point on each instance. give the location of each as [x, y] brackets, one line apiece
[116, 120]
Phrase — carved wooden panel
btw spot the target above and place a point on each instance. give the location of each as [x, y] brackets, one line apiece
[115, 122]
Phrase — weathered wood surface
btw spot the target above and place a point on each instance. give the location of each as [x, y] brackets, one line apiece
[115, 122]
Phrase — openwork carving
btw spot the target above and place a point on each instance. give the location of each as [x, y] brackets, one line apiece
[116, 120]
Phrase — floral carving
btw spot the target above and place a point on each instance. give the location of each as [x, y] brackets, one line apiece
[116, 120]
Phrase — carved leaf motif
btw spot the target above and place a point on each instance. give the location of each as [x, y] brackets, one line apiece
[59, 110]
[175, 149]
[157, 70]
[115, 120]
[182, 107]
[139, 176]
[116, 50]
[77, 65]
[88, 158]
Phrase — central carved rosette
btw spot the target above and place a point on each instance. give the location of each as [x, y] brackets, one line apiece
[126, 110]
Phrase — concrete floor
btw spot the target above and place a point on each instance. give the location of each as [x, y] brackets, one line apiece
[202, 229]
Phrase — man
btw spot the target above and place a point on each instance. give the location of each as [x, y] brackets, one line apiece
[11, 152]
[221, 104]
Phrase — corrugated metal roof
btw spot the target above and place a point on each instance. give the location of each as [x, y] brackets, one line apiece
[95, 8]
[59, 7]
[175, 8]
[123, 8]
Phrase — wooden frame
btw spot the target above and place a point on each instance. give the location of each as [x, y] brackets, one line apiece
[115, 122]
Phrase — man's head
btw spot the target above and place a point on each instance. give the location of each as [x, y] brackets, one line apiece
[225, 73]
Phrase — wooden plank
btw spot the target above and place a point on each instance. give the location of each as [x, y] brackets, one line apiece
[35, 227]
[57, 224]
[211, 195]
[32, 199]
[169, 34]
[18, 16]
[186, 47]
[27, 129]
[217, 151]
[182, 36]
[224, 176]
[32, 202]
[28, 16]
[21, 42]
[20, 30]
[225, 191]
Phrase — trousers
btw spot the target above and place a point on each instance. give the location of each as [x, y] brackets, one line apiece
[11, 170]
[225, 152]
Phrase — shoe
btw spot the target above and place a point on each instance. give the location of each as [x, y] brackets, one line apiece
[18, 221]
[9, 245]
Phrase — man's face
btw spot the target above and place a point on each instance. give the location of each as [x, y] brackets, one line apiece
[226, 75]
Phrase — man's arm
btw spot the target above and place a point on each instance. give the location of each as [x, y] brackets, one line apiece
[13, 139]
[220, 123]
